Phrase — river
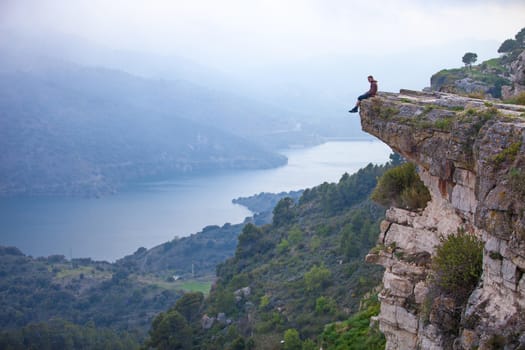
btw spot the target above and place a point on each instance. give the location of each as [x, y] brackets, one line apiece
[147, 214]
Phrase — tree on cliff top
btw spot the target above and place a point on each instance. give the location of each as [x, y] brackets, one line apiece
[469, 58]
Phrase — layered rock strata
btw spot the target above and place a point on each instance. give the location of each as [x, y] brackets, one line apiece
[470, 155]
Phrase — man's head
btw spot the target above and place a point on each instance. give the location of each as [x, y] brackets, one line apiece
[370, 78]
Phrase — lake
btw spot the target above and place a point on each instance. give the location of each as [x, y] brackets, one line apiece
[148, 214]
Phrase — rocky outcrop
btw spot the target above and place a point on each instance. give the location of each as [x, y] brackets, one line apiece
[502, 77]
[470, 155]
[517, 77]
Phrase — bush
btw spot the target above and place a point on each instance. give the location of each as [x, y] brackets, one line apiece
[292, 340]
[295, 236]
[325, 305]
[283, 213]
[401, 187]
[316, 278]
[508, 153]
[265, 301]
[283, 246]
[169, 331]
[457, 266]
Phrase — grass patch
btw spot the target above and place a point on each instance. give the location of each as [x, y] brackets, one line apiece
[195, 286]
[384, 112]
[517, 100]
[67, 272]
[428, 109]
[202, 285]
[478, 117]
[478, 95]
[444, 123]
[508, 153]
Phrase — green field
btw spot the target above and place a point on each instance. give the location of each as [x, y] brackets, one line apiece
[202, 286]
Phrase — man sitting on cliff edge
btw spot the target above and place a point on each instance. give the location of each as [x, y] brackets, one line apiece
[370, 93]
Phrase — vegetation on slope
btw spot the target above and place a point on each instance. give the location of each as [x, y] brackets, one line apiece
[65, 302]
[455, 273]
[36, 291]
[289, 279]
[458, 265]
[484, 79]
[356, 333]
[60, 334]
[198, 255]
[401, 187]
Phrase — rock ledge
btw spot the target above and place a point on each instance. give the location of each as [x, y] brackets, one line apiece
[470, 155]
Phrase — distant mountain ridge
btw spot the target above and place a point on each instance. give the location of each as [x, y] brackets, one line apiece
[67, 129]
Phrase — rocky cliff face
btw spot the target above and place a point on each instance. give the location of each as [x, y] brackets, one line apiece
[517, 77]
[470, 155]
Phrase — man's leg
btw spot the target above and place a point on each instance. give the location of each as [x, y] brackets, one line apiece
[354, 110]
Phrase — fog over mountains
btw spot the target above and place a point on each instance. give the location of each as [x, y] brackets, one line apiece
[80, 118]
[67, 128]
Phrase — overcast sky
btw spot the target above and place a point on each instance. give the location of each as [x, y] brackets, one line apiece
[223, 32]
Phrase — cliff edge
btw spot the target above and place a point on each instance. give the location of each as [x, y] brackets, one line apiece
[470, 155]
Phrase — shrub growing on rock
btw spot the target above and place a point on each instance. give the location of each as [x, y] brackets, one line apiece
[401, 187]
[457, 266]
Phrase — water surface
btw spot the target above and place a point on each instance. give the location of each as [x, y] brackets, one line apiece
[148, 214]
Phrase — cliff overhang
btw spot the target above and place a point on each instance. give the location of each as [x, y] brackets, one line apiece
[470, 155]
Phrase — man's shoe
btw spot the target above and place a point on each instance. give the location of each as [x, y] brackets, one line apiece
[353, 110]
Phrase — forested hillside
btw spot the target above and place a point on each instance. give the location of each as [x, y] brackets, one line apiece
[36, 295]
[289, 278]
[54, 302]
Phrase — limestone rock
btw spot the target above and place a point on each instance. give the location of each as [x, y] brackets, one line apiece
[471, 156]
[517, 76]
[207, 322]
[242, 293]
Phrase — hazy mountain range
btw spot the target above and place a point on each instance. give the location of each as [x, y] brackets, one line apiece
[79, 118]
[72, 129]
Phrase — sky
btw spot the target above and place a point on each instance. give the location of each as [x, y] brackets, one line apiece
[307, 56]
[227, 33]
